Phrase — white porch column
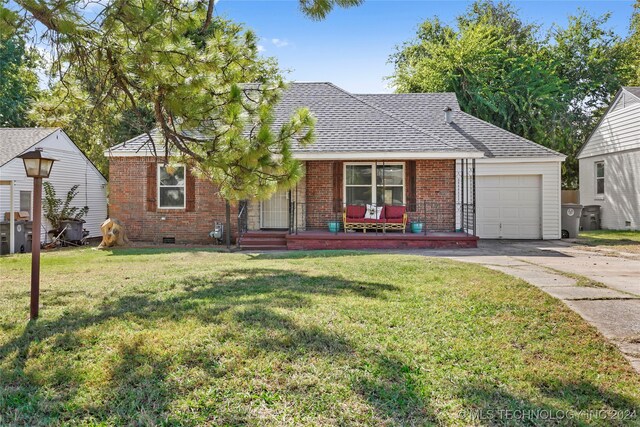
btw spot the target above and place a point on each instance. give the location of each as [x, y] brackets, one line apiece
[12, 220]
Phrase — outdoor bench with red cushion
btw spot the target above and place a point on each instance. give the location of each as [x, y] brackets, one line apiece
[391, 218]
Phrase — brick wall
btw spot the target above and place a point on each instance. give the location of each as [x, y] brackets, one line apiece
[320, 198]
[127, 202]
[435, 185]
[436, 192]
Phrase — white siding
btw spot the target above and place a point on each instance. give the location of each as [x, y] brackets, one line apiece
[71, 168]
[621, 200]
[618, 131]
[549, 172]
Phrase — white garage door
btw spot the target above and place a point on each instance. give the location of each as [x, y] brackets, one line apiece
[509, 207]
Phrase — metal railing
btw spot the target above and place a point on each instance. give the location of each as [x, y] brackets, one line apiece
[243, 217]
[433, 216]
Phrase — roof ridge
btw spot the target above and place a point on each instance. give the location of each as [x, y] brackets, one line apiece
[411, 125]
[528, 141]
[399, 94]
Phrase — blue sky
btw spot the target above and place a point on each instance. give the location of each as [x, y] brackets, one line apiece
[351, 46]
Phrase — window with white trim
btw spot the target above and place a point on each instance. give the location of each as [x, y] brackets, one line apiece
[25, 202]
[371, 183]
[599, 178]
[171, 186]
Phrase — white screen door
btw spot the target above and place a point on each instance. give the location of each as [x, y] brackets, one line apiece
[275, 211]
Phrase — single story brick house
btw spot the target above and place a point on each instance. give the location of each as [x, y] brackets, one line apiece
[452, 172]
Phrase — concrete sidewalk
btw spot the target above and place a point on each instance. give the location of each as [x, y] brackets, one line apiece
[602, 288]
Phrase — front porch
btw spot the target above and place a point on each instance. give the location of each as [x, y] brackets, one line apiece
[311, 240]
[318, 239]
[422, 204]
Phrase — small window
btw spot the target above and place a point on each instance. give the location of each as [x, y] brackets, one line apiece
[599, 178]
[171, 186]
[25, 202]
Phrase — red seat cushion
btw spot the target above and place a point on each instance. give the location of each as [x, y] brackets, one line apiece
[394, 212]
[355, 212]
[393, 220]
[373, 221]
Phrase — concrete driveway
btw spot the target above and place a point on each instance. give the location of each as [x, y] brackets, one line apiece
[601, 287]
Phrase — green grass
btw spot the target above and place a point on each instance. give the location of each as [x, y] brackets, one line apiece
[192, 337]
[625, 241]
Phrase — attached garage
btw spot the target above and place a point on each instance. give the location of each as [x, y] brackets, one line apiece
[509, 206]
[518, 198]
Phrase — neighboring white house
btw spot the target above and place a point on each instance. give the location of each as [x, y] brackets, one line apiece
[71, 167]
[610, 163]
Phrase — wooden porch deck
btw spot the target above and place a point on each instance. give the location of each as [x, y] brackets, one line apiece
[312, 240]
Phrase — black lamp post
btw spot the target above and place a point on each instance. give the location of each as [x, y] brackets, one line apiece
[37, 167]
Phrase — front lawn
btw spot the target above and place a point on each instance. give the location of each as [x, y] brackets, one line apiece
[619, 240]
[148, 337]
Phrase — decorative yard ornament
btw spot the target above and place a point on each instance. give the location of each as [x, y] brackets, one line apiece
[113, 234]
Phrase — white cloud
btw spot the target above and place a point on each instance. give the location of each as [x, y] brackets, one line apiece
[261, 48]
[279, 42]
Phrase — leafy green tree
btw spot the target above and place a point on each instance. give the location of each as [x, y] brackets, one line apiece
[550, 89]
[633, 45]
[594, 62]
[176, 59]
[490, 61]
[18, 81]
[93, 129]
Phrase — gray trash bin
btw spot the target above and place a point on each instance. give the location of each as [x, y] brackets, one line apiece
[571, 214]
[20, 237]
[28, 235]
[590, 219]
[73, 233]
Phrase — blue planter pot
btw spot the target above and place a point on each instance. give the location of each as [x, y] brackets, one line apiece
[334, 226]
[416, 227]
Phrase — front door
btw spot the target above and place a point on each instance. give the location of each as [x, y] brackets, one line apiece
[274, 213]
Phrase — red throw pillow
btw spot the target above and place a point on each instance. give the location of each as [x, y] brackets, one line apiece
[356, 212]
[394, 212]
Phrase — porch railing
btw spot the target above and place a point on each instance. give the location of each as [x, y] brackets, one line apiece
[243, 217]
[433, 215]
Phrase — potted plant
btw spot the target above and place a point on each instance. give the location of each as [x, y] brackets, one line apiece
[334, 226]
[416, 227]
[61, 214]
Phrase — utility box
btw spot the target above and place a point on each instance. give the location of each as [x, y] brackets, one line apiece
[21, 243]
[571, 215]
[590, 219]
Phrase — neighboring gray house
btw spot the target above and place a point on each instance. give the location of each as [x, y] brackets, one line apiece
[610, 163]
[72, 167]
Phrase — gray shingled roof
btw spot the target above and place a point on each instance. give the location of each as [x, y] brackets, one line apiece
[467, 132]
[388, 122]
[15, 141]
[347, 123]
[634, 90]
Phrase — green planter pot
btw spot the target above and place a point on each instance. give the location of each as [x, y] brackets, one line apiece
[416, 227]
[334, 226]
